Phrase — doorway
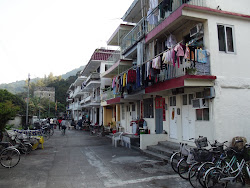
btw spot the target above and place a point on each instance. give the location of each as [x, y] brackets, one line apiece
[188, 117]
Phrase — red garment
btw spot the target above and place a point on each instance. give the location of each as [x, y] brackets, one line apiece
[60, 120]
[131, 76]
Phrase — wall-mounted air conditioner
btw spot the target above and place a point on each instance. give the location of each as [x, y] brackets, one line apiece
[209, 93]
[198, 29]
[199, 103]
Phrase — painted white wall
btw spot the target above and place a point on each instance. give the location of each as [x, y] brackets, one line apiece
[239, 6]
[229, 113]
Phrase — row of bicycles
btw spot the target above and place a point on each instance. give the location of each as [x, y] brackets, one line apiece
[217, 166]
[18, 143]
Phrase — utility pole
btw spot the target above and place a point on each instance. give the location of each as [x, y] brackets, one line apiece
[27, 109]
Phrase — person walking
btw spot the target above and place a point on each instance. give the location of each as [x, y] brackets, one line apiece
[63, 126]
[60, 122]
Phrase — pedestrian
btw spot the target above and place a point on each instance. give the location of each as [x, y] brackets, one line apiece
[60, 122]
[73, 123]
[51, 122]
[79, 123]
[64, 125]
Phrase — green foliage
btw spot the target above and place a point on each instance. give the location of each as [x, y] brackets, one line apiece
[7, 112]
[9, 127]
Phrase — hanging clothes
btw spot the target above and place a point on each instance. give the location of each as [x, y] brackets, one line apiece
[171, 41]
[187, 53]
[202, 56]
[124, 80]
[138, 77]
[131, 77]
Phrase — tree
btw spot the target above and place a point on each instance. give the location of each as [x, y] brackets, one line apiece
[9, 107]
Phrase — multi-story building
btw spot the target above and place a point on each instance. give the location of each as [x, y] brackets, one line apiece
[45, 92]
[186, 70]
[74, 97]
[94, 84]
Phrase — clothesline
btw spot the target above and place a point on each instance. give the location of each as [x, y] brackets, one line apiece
[163, 52]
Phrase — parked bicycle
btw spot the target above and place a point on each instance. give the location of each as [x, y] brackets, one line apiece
[9, 155]
[221, 176]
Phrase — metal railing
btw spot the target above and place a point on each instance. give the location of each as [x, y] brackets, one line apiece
[116, 55]
[161, 12]
[108, 94]
[133, 36]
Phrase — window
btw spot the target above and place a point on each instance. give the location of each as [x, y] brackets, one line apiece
[225, 38]
[172, 101]
[199, 94]
[148, 108]
[202, 114]
[184, 99]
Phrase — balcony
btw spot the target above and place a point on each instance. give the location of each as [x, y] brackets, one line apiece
[162, 12]
[92, 82]
[135, 35]
[108, 94]
[77, 106]
[77, 92]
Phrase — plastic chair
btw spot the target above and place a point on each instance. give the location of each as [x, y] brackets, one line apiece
[116, 138]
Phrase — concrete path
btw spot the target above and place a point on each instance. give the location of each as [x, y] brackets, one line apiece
[78, 160]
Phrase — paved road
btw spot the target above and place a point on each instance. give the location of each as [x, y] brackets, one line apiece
[78, 160]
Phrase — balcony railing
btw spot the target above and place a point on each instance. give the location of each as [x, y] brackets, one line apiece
[161, 12]
[116, 55]
[108, 94]
[133, 36]
[93, 76]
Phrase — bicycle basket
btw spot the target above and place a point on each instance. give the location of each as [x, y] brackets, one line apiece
[202, 155]
[201, 142]
[184, 151]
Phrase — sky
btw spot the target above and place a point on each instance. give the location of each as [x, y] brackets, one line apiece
[38, 37]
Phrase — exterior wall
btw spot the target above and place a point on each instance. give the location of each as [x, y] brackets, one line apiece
[232, 115]
[241, 6]
[45, 92]
[230, 109]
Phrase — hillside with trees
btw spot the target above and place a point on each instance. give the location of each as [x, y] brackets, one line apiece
[19, 86]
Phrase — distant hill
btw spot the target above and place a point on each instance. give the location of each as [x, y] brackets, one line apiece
[72, 73]
[18, 86]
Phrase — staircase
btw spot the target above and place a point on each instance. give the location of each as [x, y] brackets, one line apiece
[162, 151]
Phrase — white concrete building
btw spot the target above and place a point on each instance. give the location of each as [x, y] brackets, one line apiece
[186, 96]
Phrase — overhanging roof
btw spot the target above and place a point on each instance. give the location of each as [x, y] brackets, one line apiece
[98, 56]
[133, 14]
[121, 31]
[119, 67]
[183, 81]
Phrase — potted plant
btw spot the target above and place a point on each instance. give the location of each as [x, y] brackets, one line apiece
[191, 70]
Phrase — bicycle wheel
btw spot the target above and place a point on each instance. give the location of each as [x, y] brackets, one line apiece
[213, 176]
[9, 157]
[46, 135]
[174, 159]
[202, 171]
[193, 175]
[51, 131]
[183, 168]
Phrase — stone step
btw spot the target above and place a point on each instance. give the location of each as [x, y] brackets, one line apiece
[170, 145]
[157, 156]
[161, 150]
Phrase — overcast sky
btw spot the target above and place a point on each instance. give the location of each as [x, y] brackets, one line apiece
[43, 36]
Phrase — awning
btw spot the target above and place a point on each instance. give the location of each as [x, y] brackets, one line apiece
[183, 81]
